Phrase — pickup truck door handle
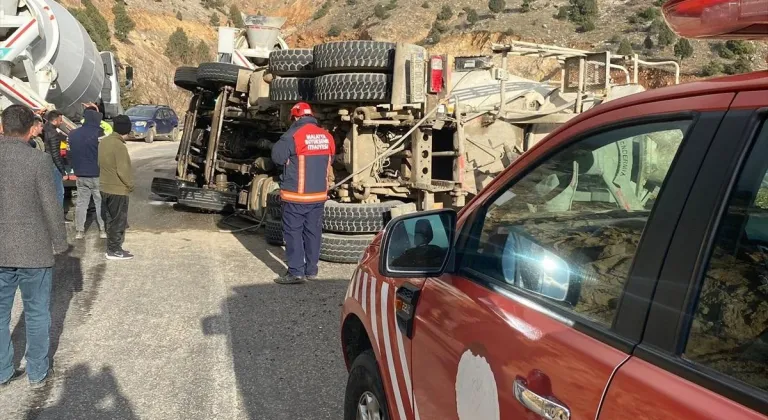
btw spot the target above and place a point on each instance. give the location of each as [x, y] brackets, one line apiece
[542, 406]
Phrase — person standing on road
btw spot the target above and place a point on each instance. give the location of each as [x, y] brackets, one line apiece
[31, 232]
[306, 152]
[37, 129]
[53, 139]
[116, 182]
[84, 158]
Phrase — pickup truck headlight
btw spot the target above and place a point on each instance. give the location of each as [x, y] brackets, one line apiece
[140, 123]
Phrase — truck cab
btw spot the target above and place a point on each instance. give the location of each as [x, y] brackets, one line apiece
[614, 270]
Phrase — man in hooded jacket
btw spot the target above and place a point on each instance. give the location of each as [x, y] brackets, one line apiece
[84, 158]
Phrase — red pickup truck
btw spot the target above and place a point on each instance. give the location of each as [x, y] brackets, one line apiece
[617, 270]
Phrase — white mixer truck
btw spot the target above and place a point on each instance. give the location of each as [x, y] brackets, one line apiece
[48, 60]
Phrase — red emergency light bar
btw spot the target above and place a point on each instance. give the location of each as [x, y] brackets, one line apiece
[718, 19]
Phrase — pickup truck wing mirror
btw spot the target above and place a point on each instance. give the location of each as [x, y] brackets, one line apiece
[418, 244]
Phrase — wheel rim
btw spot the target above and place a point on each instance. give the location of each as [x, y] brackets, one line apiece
[368, 407]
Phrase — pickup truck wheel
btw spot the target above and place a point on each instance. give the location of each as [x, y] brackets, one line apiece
[274, 231]
[344, 249]
[218, 74]
[290, 62]
[292, 89]
[339, 56]
[186, 78]
[150, 135]
[356, 218]
[365, 390]
[353, 87]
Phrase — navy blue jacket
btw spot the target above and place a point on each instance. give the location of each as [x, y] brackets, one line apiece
[306, 152]
[84, 146]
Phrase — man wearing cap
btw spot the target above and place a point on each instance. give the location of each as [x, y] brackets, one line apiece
[306, 152]
[115, 183]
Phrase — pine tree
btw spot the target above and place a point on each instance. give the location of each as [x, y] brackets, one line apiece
[625, 48]
[202, 52]
[683, 49]
[648, 42]
[666, 36]
[123, 23]
[215, 19]
[526, 6]
[497, 6]
[95, 24]
[178, 48]
[235, 16]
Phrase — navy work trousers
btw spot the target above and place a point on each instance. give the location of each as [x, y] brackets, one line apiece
[302, 230]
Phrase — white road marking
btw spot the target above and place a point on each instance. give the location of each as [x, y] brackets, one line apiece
[388, 350]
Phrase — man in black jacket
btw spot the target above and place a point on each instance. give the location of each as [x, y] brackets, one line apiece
[31, 231]
[53, 139]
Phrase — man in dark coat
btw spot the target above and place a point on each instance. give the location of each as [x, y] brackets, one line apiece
[84, 158]
[53, 139]
[306, 152]
[31, 231]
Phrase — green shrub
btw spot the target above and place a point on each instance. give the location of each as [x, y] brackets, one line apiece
[358, 24]
[497, 6]
[666, 36]
[526, 6]
[178, 48]
[123, 23]
[625, 47]
[683, 49]
[563, 12]
[472, 16]
[649, 14]
[425, 5]
[648, 42]
[741, 65]
[446, 13]
[215, 19]
[322, 11]
[236, 17]
[380, 12]
[334, 31]
[712, 68]
[351, 2]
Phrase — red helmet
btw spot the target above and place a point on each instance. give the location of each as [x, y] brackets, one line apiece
[301, 109]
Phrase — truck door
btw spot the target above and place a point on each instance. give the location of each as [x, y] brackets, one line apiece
[704, 352]
[554, 270]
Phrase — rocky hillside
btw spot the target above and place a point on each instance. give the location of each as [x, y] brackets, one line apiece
[458, 27]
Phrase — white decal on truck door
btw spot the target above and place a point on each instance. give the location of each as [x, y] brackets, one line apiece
[477, 396]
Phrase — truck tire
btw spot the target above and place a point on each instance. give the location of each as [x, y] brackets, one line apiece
[292, 89]
[356, 218]
[375, 56]
[353, 87]
[218, 74]
[290, 62]
[364, 377]
[274, 205]
[186, 78]
[274, 231]
[344, 249]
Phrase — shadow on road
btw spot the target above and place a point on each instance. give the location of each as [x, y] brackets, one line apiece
[285, 348]
[87, 395]
[253, 240]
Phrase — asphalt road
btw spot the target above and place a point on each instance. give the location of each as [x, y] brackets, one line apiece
[192, 328]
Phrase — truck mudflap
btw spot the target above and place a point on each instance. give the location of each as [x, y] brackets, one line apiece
[212, 200]
[167, 188]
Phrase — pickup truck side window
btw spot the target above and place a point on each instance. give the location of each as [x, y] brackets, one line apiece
[729, 332]
[568, 230]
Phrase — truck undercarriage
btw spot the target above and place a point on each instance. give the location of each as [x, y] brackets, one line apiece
[412, 131]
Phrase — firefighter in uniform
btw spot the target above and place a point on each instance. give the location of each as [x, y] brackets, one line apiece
[306, 152]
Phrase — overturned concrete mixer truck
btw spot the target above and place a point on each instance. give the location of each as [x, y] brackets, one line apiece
[413, 131]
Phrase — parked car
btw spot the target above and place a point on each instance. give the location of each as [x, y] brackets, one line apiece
[617, 270]
[149, 122]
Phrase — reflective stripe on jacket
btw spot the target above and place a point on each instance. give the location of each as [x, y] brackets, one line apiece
[308, 151]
